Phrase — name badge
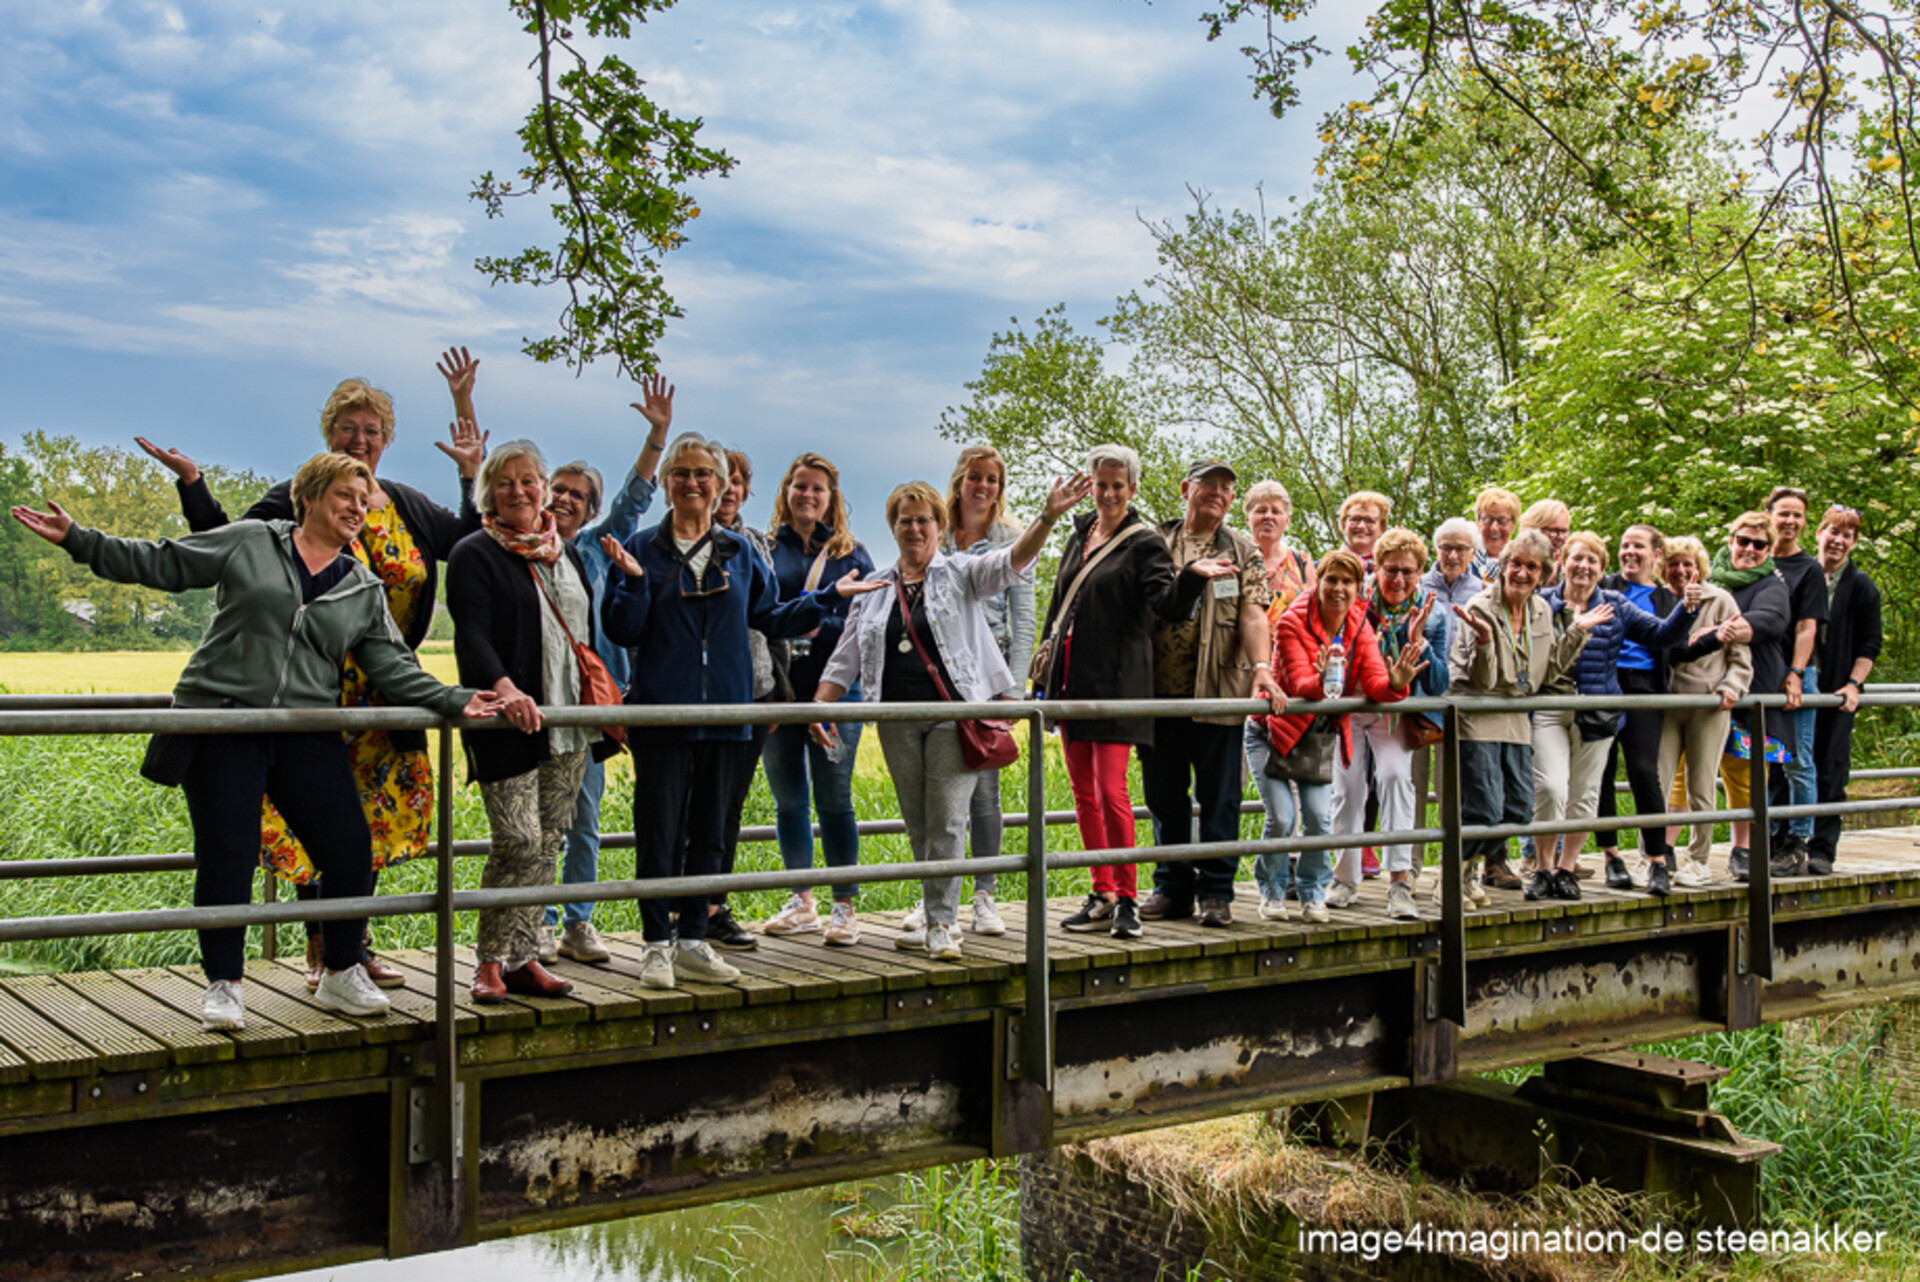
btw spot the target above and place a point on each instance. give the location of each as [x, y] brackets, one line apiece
[1225, 589]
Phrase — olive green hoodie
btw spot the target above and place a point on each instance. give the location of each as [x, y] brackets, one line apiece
[264, 648]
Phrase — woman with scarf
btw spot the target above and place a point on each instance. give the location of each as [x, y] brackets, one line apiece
[1398, 612]
[1571, 749]
[520, 599]
[1321, 635]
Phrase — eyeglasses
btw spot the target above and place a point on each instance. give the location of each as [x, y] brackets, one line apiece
[1456, 549]
[726, 581]
[1395, 572]
[685, 474]
[569, 492]
[1745, 542]
[1498, 522]
[1556, 532]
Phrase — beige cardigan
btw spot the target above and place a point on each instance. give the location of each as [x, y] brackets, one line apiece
[1728, 670]
[1493, 669]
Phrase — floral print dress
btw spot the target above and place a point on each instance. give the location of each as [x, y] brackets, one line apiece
[396, 788]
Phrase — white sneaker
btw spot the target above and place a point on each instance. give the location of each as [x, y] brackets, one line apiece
[942, 944]
[986, 918]
[843, 928]
[912, 940]
[1316, 911]
[546, 946]
[656, 966]
[797, 918]
[1400, 901]
[581, 942]
[1341, 895]
[917, 919]
[224, 1010]
[697, 961]
[1637, 872]
[351, 992]
[1275, 910]
[1692, 875]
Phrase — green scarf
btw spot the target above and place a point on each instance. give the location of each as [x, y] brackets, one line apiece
[1389, 621]
[1725, 576]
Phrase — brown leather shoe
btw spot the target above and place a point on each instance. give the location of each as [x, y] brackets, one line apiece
[1501, 877]
[316, 963]
[1216, 912]
[1159, 907]
[532, 980]
[382, 975]
[489, 989]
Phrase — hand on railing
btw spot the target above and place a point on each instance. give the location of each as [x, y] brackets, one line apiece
[517, 707]
[484, 705]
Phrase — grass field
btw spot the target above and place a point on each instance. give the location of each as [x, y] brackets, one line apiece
[135, 671]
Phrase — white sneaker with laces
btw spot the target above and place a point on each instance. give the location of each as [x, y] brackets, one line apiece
[843, 928]
[351, 992]
[1400, 901]
[1341, 895]
[1476, 888]
[986, 918]
[1275, 910]
[1315, 911]
[581, 942]
[797, 918]
[546, 946]
[696, 960]
[942, 944]
[1692, 875]
[656, 966]
[224, 1010]
[912, 940]
[917, 919]
[1637, 872]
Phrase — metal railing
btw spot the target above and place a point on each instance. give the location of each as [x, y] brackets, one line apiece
[116, 715]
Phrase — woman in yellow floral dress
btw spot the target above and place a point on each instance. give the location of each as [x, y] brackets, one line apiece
[405, 538]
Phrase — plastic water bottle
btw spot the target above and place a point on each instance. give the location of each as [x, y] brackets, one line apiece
[836, 746]
[1334, 680]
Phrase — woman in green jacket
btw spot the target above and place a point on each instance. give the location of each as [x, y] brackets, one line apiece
[289, 606]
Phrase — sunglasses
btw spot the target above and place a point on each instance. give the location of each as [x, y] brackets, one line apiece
[1745, 542]
[726, 581]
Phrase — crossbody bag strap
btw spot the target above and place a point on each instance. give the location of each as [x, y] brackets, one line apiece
[555, 605]
[913, 635]
[1073, 588]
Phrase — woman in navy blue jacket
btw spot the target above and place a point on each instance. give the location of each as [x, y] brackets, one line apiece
[1570, 749]
[681, 596]
[812, 550]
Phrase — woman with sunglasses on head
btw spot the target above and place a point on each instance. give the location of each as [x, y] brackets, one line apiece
[813, 551]
[682, 596]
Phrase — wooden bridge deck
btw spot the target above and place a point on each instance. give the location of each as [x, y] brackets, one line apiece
[826, 1062]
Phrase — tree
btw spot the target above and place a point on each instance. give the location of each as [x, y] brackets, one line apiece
[621, 164]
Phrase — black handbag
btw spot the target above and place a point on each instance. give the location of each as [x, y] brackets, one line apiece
[1310, 760]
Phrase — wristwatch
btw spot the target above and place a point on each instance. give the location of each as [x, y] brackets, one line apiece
[1797, 672]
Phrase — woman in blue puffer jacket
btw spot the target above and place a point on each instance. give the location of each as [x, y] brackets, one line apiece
[1570, 748]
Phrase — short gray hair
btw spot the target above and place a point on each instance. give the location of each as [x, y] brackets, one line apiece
[1463, 527]
[1533, 545]
[596, 486]
[499, 457]
[1264, 491]
[1115, 456]
[688, 441]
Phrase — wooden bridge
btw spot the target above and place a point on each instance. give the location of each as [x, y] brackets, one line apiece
[132, 1142]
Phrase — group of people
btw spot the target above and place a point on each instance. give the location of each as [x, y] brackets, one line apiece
[328, 585]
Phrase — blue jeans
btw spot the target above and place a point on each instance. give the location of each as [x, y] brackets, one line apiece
[581, 862]
[1271, 873]
[797, 767]
[1803, 783]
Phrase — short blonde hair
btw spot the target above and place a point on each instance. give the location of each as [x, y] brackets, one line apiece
[1591, 542]
[916, 492]
[1537, 516]
[321, 473]
[355, 394]
[1495, 499]
[968, 457]
[1366, 498]
[1343, 563]
[1397, 540]
[498, 458]
[1752, 520]
[1688, 548]
[1268, 491]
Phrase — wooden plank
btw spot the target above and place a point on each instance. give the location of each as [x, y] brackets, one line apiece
[48, 1049]
[118, 1045]
[409, 1001]
[186, 1041]
[548, 1010]
[856, 973]
[754, 986]
[13, 1068]
[418, 965]
[261, 1037]
[317, 1030]
[977, 965]
[809, 967]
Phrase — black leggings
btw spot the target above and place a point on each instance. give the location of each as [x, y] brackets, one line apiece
[310, 781]
[311, 890]
[1639, 740]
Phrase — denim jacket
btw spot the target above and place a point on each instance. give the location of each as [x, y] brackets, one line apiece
[621, 520]
[1010, 614]
[957, 590]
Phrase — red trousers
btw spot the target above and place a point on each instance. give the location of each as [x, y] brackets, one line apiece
[1098, 772]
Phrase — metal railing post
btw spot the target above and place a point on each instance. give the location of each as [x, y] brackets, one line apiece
[270, 933]
[1036, 1032]
[1759, 851]
[1453, 859]
[447, 1122]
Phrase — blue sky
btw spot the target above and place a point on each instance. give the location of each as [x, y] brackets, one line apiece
[210, 213]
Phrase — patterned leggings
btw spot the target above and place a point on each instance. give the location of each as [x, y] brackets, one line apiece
[528, 815]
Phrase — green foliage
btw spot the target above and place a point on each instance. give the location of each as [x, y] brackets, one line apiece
[619, 164]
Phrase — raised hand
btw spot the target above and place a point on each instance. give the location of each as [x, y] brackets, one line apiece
[850, 585]
[1066, 492]
[458, 368]
[622, 559]
[1588, 620]
[1408, 665]
[173, 460]
[469, 448]
[1482, 629]
[1213, 567]
[1417, 625]
[52, 526]
[657, 408]
[1692, 596]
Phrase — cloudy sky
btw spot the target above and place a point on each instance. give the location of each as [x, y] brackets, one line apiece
[209, 213]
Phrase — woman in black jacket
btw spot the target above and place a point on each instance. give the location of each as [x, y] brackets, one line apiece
[1849, 646]
[1103, 649]
[1641, 670]
[519, 597]
[404, 539]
